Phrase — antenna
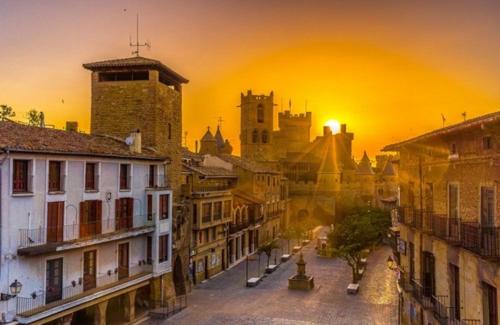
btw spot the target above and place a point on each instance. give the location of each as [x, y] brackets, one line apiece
[464, 115]
[290, 105]
[443, 118]
[219, 121]
[138, 45]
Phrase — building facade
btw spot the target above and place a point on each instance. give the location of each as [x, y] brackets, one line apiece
[86, 226]
[449, 220]
[143, 94]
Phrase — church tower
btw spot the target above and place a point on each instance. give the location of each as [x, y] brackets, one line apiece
[257, 120]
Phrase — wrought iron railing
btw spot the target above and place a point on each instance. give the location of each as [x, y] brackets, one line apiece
[421, 294]
[440, 309]
[40, 300]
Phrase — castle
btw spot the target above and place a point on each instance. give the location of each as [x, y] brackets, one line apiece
[322, 172]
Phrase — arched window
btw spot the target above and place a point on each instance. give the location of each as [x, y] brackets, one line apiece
[169, 131]
[260, 113]
[255, 136]
[265, 136]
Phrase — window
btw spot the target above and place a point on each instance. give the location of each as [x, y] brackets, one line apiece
[169, 131]
[149, 250]
[207, 212]
[490, 307]
[214, 233]
[124, 212]
[90, 218]
[453, 201]
[124, 177]
[227, 209]
[150, 207]
[195, 214]
[265, 136]
[454, 292]
[217, 210]
[55, 176]
[255, 136]
[260, 113]
[487, 143]
[164, 206]
[487, 206]
[152, 176]
[163, 248]
[453, 148]
[20, 183]
[91, 177]
[123, 76]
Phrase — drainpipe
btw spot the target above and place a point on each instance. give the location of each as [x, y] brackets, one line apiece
[5, 154]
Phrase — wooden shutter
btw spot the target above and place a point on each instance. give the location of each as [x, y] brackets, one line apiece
[98, 221]
[130, 214]
[83, 218]
[117, 214]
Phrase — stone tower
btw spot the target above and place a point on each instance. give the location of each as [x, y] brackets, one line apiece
[257, 118]
[294, 132]
[141, 93]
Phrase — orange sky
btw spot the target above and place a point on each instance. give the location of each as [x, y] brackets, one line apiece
[386, 68]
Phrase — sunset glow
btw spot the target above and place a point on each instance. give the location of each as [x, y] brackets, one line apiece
[334, 125]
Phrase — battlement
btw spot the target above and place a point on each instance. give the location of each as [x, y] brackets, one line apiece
[251, 97]
[287, 115]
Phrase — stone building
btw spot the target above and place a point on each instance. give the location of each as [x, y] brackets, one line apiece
[143, 94]
[211, 200]
[320, 173]
[86, 226]
[449, 220]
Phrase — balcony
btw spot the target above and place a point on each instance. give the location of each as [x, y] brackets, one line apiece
[234, 228]
[482, 240]
[107, 282]
[441, 311]
[405, 282]
[446, 228]
[48, 239]
[422, 294]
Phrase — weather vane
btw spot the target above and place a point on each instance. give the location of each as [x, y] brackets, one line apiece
[138, 45]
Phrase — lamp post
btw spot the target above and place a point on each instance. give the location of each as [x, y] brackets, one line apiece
[14, 288]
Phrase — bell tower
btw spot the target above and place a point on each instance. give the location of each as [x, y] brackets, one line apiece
[257, 120]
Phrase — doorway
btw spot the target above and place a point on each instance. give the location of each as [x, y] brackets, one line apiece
[89, 270]
[123, 261]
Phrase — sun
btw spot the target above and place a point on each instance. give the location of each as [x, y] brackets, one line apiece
[334, 125]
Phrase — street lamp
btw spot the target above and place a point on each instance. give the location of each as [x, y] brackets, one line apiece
[15, 289]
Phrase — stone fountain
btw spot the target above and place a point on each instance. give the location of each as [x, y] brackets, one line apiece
[301, 281]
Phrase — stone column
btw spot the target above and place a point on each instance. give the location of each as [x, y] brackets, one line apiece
[100, 315]
[130, 311]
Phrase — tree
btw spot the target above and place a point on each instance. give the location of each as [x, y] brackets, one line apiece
[287, 235]
[359, 230]
[33, 117]
[6, 112]
[268, 249]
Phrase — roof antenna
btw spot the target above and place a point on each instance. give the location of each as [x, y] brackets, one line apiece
[464, 115]
[290, 105]
[138, 45]
[443, 118]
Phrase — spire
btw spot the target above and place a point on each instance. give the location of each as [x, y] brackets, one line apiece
[208, 136]
[219, 139]
[365, 166]
[388, 168]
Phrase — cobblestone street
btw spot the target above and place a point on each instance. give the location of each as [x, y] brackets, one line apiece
[225, 299]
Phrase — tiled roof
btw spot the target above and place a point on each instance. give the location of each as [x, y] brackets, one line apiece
[136, 61]
[474, 122]
[247, 164]
[209, 171]
[17, 137]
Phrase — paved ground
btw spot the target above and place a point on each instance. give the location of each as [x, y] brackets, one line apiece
[226, 300]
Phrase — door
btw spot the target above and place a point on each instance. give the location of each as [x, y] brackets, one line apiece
[53, 284]
[89, 270]
[55, 217]
[206, 267]
[123, 213]
[488, 232]
[123, 255]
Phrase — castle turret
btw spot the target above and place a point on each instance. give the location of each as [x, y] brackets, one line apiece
[208, 143]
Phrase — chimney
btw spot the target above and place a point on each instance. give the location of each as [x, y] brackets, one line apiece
[327, 130]
[343, 128]
[72, 126]
[134, 141]
[196, 146]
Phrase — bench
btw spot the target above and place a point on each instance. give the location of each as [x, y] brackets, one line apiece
[253, 282]
[296, 249]
[285, 257]
[352, 288]
[271, 268]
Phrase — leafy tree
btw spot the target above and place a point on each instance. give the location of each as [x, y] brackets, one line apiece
[33, 117]
[359, 230]
[288, 235]
[6, 112]
[268, 249]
